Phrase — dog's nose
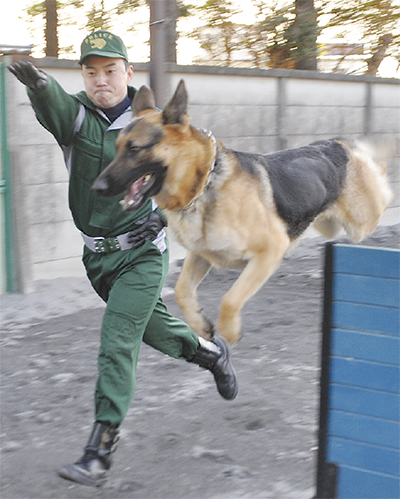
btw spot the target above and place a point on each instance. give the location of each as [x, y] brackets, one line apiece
[101, 185]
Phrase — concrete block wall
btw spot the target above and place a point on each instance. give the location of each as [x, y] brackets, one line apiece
[250, 110]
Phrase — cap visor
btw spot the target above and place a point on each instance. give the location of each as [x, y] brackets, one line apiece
[99, 53]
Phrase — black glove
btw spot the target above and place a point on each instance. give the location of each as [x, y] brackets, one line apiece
[32, 77]
[147, 230]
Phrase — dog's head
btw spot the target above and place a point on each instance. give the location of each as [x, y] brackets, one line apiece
[158, 154]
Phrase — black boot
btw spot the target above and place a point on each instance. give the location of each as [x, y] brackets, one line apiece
[214, 356]
[92, 467]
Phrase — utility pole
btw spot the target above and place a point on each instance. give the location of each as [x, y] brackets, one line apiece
[158, 50]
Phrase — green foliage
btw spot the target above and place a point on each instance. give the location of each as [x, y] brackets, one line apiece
[127, 6]
[377, 21]
[36, 12]
[267, 39]
[98, 17]
[283, 32]
[285, 35]
[219, 35]
[263, 43]
[373, 17]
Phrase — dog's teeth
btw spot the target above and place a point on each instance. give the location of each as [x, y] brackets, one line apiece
[147, 178]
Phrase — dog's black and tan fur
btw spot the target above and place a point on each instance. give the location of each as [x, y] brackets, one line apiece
[234, 209]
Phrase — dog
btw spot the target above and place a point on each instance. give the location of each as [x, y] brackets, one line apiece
[234, 209]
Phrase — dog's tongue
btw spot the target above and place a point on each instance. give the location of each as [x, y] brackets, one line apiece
[133, 196]
[136, 187]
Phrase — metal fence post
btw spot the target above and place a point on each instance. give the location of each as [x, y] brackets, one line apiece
[5, 189]
[368, 110]
[280, 114]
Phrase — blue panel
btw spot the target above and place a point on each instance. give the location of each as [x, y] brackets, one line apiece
[357, 484]
[364, 374]
[367, 346]
[368, 290]
[364, 429]
[361, 260]
[366, 317]
[363, 401]
[364, 456]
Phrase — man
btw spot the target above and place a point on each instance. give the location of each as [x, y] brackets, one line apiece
[125, 254]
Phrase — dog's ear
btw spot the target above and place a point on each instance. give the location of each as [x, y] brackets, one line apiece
[144, 99]
[175, 110]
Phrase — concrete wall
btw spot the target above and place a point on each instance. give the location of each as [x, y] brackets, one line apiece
[250, 110]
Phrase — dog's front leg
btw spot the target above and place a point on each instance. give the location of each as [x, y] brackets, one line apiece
[256, 272]
[194, 270]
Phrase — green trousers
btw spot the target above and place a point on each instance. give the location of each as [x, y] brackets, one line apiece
[130, 282]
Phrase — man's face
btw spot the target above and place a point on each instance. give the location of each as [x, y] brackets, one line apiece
[106, 80]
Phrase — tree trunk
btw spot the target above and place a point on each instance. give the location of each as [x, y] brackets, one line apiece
[50, 34]
[305, 35]
[379, 55]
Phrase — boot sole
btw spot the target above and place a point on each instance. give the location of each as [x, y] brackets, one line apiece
[74, 474]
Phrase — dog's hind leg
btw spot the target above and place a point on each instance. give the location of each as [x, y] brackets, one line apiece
[195, 268]
[256, 272]
[328, 227]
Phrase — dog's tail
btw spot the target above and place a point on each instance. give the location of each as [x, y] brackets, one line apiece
[366, 193]
[377, 154]
[380, 151]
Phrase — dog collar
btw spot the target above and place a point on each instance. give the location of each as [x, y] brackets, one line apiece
[209, 134]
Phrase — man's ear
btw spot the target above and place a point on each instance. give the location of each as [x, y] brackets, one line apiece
[144, 99]
[175, 110]
[130, 72]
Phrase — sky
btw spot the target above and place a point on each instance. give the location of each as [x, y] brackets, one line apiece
[14, 31]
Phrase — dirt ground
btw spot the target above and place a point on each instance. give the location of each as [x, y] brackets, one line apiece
[180, 439]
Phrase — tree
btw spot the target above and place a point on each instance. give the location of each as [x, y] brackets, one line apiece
[49, 11]
[175, 9]
[266, 39]
[303, 34]
[219, 35]
[51, 28]
[283, 36]
[54, 14]
[98, 17]
[377, 22]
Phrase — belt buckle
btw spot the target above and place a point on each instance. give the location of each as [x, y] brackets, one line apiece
[113, 244]
[103, 245]
[99, 246]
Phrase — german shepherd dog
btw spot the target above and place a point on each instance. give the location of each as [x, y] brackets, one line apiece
[235, 209]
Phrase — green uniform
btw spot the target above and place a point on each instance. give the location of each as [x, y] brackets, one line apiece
[130, 281]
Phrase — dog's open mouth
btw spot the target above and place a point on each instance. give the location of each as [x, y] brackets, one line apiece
[136, 194]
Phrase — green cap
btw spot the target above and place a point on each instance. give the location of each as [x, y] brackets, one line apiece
[104, 44]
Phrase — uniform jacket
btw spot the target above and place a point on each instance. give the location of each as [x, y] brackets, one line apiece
[89, 147]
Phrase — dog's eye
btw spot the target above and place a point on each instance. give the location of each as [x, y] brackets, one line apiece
[133, 148]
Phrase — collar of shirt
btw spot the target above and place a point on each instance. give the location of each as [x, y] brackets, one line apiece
[113, 113]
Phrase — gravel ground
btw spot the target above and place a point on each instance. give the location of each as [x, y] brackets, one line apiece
[180, 439]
